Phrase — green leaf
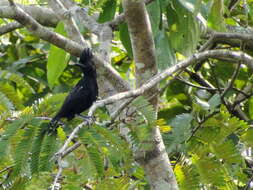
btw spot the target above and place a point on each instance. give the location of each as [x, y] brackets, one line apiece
[57, 59]
[184, 28]
[180, 131]
[95, 157]
[22, 151]
[5, 103]
[10, 131]
[251, 107]
[214, 101]
[210, 170]
[36, 150]
[154, 15]
[108, 11]
[124, 36]
[227, 152]
[247, 137]
[165, 55]
[125, 39]
[19, 80]
[187, 177]
[11, 94]
[215, 19]
[47, 152]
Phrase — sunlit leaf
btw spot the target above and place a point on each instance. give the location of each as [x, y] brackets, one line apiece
[57, 59]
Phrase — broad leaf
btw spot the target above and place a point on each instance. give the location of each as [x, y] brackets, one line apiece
[184, 28]
[164, 53]
[215, 18]
[154, 16]
[57, 59]
[108, 11]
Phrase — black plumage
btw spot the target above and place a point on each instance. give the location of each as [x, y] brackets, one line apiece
[82, 96]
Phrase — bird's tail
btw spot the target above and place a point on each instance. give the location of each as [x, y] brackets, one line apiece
[86, 55]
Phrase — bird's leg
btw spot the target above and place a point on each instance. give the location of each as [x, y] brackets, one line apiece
[89, 119]
[52, 127]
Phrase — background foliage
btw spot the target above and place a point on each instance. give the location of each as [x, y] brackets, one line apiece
[208, 144]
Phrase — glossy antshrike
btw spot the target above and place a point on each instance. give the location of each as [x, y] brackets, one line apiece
[82, 96]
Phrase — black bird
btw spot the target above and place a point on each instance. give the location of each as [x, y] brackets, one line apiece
[82, 96]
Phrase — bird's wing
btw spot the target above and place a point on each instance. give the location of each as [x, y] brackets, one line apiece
[76, 94]
[74, 101]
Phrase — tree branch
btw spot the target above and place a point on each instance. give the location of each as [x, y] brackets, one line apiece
[245, 58]
[68, 45]
[216, 54]
[44, 16]
[9, 27]
[69, 22]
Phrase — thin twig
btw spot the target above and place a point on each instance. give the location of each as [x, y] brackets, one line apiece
[230, 84]
[248, 183]
[121, 18]
[196, 86]
[146, 86]
[71, 149]
[218, 54]
[200, 124]
[7, 168]
[9, 27]
[237, 102]
[120, 109]
[208, 44]
[56, 185]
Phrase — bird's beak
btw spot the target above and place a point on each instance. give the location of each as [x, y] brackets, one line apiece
[77, 64]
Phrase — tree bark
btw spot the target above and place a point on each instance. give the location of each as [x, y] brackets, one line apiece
[154, 161]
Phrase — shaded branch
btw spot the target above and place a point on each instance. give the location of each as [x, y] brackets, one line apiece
[64, 150]
[44, 16]
[9, 27]
[216, 54]
[233, 39]
[70, 24]
[121, 18]
[68, 45]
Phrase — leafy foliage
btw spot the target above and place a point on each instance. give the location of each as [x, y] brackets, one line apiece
[142, 120]
[23, 150]
[208, 143]
[47, 151]
[57, 59]
[36, 150]
[10, 132]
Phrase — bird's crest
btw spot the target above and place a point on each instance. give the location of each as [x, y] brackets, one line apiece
[86, 55]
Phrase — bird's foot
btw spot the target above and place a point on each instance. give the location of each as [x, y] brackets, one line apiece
[52, 127]
[88, 119]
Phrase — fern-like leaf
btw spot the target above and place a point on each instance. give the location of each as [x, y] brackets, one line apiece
[109, 136]
[227, 152]
[145, 108]
[10, 131]
[22, 151]
[187, 177]
[5, 103]
[14, 77]
[47, 152]
[93, 150]
[11, 94]
[36, 149]
[142, 120]
[95, 157]
[210, 170]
